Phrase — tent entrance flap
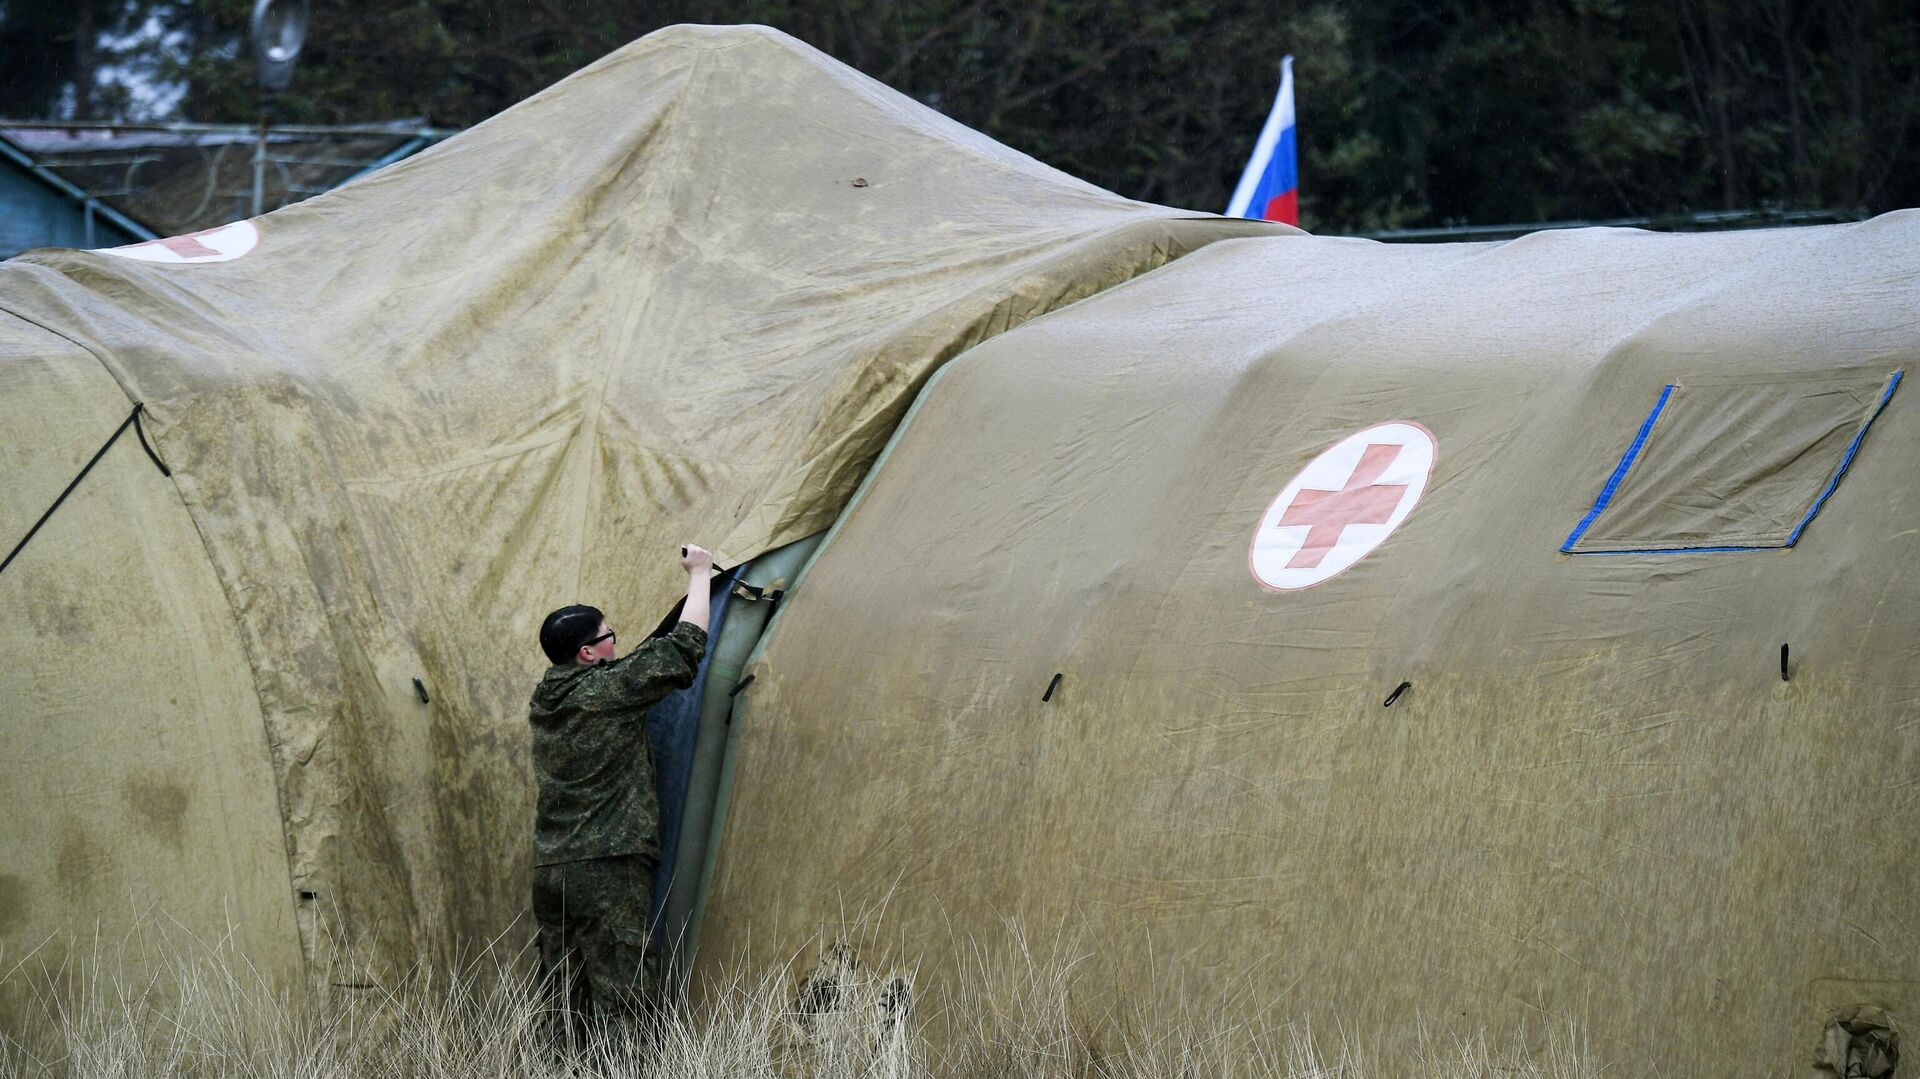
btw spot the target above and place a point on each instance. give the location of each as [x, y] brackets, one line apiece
[751, 594]
[673, 727]
[1734, 465]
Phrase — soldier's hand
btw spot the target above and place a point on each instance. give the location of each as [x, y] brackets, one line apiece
[695, 559]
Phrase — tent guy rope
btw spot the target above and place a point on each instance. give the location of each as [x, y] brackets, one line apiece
[133, 420]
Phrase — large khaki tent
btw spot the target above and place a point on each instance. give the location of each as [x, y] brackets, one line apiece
[1106, 677]
[1106, 641]
[684, 295]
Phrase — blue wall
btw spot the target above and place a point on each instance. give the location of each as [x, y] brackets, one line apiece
[32, 214]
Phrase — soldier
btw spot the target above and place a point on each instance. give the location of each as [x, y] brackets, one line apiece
[596, 839]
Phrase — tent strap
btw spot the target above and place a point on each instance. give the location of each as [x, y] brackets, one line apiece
[727, 575]
[132, 420]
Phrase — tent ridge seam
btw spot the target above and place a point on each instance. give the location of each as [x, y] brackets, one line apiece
[593, 413]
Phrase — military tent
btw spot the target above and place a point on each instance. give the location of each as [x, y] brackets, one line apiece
[279, 689]
[1423, 640]
[1437, 639]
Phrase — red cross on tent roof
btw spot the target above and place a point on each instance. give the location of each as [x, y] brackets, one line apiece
[1362, 500]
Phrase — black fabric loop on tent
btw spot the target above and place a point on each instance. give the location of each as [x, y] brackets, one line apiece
[140, 431]
[133, 419]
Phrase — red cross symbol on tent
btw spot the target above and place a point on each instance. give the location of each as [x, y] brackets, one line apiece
[188, 246]
[1346, 502]
[1362, 500]
[219, 244]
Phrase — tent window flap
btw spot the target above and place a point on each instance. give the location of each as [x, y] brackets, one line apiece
[1734, 465]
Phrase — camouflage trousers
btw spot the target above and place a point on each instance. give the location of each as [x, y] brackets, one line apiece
[595, 964]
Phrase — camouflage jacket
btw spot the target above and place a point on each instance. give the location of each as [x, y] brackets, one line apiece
[590, 751]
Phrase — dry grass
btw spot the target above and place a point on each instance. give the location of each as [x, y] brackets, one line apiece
[1005, 1016]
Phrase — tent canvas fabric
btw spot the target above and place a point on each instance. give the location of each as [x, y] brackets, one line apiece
[1597, 809]
[684, 295]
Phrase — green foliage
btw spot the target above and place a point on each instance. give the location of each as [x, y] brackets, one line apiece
[52, 51]
[1412, 112]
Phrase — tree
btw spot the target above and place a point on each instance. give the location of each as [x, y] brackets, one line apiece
[1412, 112]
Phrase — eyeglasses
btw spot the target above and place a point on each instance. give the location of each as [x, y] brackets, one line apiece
[607, 636]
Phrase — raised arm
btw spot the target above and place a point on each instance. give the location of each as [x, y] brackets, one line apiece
[672, 660]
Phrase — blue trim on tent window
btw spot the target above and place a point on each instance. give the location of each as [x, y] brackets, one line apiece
[1606, 494]
[1852, 448]
[1670, 550]
[1619, 472]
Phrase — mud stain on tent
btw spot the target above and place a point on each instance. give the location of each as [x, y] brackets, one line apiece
[73, 860]
[13, 902]
[160, 805]
[58, 617]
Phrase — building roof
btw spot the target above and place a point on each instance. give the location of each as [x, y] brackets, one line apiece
[172, 178]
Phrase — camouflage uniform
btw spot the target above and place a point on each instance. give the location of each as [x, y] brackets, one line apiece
[597, 837]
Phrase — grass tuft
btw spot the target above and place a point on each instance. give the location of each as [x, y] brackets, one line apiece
[203, 1011]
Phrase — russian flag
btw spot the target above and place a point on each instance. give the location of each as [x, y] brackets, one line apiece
[1270, 187]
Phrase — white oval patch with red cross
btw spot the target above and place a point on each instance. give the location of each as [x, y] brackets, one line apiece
[221, 244]
[1346, 502]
